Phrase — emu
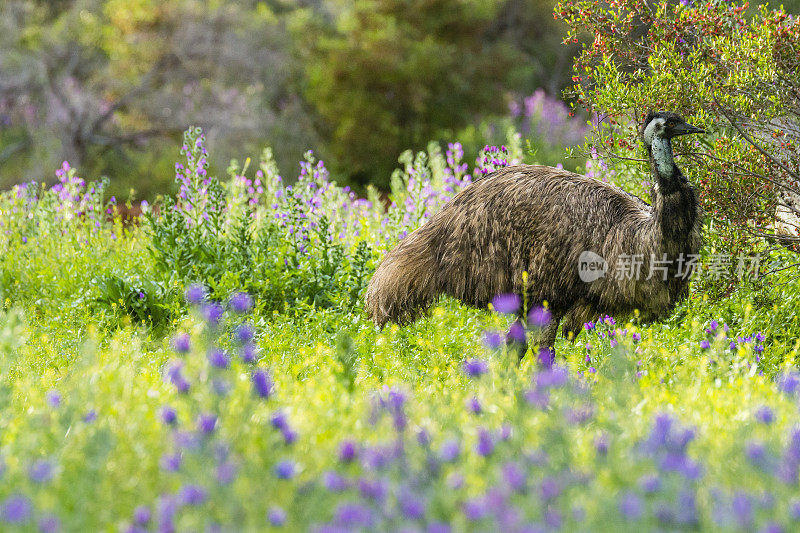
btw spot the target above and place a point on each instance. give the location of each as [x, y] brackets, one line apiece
[551, 224]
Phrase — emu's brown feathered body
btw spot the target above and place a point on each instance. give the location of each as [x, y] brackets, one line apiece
[540, 220]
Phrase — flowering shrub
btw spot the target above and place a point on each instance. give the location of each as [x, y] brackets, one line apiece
[728, 70]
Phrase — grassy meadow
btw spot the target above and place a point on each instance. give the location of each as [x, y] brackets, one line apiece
[210, 368]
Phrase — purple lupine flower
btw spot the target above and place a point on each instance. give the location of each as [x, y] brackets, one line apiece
[218, 358]
[474, 509]
[195, 294]
[631, 506]
[347, 451]
[262, 383]
[193, 495]
[475, 367]
[450, 450]
[285, 469]
[53, 398]
[546, 356]
[492, 340]
[181, 343]
[249, 353]
[141, 515]
[412, 507]
[276, 516]
[16, 509]
[553, 377]
[507, 303]
[168, 415]
[485, 445]
[636, 337]
[49, 524]
[90, 416]
[171, 462]
[354, 516]
[474, 405]
[334, 482]
[650, 483]
[601, 444]
[516, 332]
[514, 476]
[549, 489]
[742, 509]
[244, 333]
[789, 382]
[41, 471]
[241, 302]
[539, 317]
[373, 489]
[705, 345]
[207, 423]
[289, 435]
[765, 415]
[212, 313]
[226, 472]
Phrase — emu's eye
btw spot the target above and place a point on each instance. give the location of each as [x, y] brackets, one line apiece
[671, 124]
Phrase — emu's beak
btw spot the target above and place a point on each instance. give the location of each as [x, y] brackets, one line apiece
[686, 129]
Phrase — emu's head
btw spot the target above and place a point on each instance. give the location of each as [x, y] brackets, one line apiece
[665, 125]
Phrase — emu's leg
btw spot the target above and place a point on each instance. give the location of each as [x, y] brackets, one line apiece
[579, 314]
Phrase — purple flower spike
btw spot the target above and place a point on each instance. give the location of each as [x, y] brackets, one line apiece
[285, 469]
[765, 415]
[262, 383]
[218, 358]
[276, 516]
[193, 495]
[631, 506]
[241, 302]
[212, 312]
[53, 398]
[141, 515]
[181, 343]
[207, 423]
[485, 445]
[475, 367]
[347, 451]
[16, 509]
[450, 451]
[168, 415]
[539, 317]
[507, 303]
[41, 471]
[249, 353]
[244, 333]
[195, 294]
[492, 340]
[90, 416]
[516, 332]
[705, 345]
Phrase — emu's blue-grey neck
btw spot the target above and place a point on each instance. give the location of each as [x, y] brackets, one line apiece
[675, 204]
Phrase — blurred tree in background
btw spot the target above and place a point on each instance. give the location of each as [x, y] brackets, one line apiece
[110, 84]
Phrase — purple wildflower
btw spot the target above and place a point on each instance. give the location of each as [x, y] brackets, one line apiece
[412, 507]
[241, 302]
[193, 495]
[475, 367]
[631, 506]
[53, 398]
[171, 462]
[450, 450]
[41, 471]
[474, 405]
[276, 516]
[206, 423]
[485, 445]
[16, 509]
[181, 343]
[212, 313]
[765, 415]
[244, 333]
[347, 451]
[492, 340]
[705, 345]
[195, 294]
[539, 317]
[168, 415]
[218, 358]
[285, 469]
[141, 515]
[262, 383]
[507, 303]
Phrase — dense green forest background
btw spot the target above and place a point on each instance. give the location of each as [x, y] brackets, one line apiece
[110, 85]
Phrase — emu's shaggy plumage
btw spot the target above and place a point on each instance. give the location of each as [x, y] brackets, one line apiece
[540, 219]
